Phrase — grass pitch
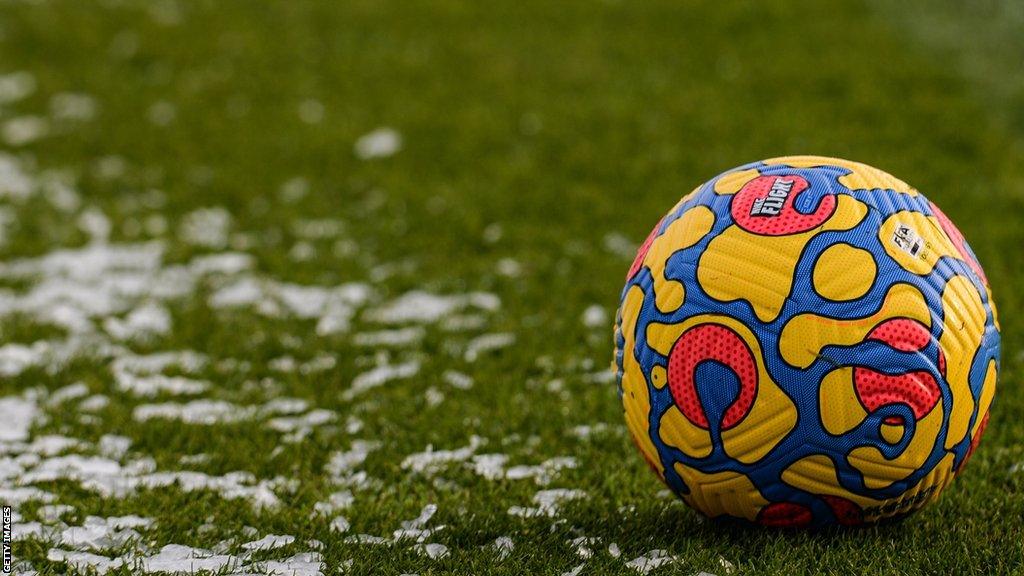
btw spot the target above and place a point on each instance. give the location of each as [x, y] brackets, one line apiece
[214, 213]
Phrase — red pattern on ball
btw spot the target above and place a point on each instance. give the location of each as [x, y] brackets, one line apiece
[915, 389]
[903, 334]
[788, 220]
[847, 513]
[718, 343]
[638, 261]
[958, 240]
[785, 515]
[918, 389]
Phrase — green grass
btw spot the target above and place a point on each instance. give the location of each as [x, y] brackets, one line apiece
[559, 122]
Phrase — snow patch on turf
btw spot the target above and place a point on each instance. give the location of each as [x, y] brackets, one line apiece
[583, 546]
[85, 561]
[426, 308]
[492, 467]
[503, 546]
[269, 542]
[432, 551]
[15, 182]
[303, 564]
[487, 343]
[379, 376]
[430, 461]
[340, 524]
[380, 143]
[77, 288]
[207, 412]
[332, 307]
[19, 413]
[110, 478]
[653, 559]
[24, 130]
[396, 338]
[142, 375]
[143, 323]
[595, 316]
[67, 393]
[98, 533]
[73, 107]
[179, 559]
[175, 558]
[548, 503]
[457, 379]
[343, 463]
[16, 86]
[336, 502]
[575, 571]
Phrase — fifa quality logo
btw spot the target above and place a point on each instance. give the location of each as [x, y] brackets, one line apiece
[771, 205]
[907, 239]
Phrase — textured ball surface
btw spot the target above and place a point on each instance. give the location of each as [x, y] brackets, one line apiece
[806, 341]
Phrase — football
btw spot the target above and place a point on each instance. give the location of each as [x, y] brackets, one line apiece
[805, 342]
